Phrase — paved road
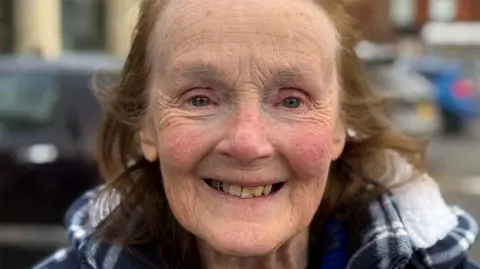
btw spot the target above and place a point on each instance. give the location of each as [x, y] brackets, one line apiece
[455, 163]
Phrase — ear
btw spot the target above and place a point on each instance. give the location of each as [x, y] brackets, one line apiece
[148, 143]
[339, 138]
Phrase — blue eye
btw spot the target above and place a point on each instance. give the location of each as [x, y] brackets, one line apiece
[200, 101]
[291, 102]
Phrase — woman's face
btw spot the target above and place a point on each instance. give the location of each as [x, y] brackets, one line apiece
[244, 117]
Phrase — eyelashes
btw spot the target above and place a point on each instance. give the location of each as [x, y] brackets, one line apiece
[207, 98]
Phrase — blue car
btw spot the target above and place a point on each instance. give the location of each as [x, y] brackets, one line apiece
[455, 94]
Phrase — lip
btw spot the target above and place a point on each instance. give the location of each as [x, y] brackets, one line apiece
[250, 184]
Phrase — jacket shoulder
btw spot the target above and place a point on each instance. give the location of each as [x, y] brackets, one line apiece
[78, 229]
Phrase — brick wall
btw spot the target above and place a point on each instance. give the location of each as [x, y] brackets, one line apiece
[373, 20]
[468, 10]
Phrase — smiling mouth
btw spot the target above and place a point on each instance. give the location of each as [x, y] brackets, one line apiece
[244, 192]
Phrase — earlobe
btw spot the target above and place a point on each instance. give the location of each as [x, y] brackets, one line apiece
[148, 145]
[339, 139]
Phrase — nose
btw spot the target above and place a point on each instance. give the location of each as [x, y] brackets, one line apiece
[246, 138]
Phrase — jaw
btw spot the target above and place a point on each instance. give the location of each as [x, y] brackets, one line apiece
[243, 227]
[249, 252]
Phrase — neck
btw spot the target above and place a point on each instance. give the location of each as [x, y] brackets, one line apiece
[291, 255]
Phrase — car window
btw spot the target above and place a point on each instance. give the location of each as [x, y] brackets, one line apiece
[27, 99]
[83, 108]
[78, 85]
[82, 84]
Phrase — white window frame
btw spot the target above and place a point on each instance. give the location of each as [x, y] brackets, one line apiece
[442, 10]
[403, 12]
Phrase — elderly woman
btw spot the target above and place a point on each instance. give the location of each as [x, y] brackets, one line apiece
[242, 134]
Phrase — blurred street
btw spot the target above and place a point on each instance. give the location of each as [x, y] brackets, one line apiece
[454, 162]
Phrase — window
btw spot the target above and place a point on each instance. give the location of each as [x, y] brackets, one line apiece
[83, 25]
[403, 12]
[442, 10]
[6, 26]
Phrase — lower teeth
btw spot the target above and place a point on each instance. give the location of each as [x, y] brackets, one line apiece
[214, 184]
[217, 185]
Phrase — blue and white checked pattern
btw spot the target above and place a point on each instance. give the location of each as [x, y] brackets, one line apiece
[385, 244]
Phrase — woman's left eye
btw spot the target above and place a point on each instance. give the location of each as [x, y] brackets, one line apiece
[292, 102]
[200, 101]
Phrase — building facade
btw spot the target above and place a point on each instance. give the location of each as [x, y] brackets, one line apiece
[51, 27]
[54, 26]
[402, 20]
[413, 14]
[372, 20]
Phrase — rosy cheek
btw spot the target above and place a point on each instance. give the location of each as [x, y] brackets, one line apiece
[310, 152]
[179, 146]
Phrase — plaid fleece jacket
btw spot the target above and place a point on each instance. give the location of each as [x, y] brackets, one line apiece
[386, 244]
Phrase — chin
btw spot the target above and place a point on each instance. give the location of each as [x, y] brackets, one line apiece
[244, 244]
[244, 249]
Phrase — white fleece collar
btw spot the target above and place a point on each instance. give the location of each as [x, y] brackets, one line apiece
[420, 204]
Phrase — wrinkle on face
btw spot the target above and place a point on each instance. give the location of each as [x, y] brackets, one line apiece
[247, 56]
[252, 28]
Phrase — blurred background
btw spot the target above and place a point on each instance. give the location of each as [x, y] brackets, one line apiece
[423, 56]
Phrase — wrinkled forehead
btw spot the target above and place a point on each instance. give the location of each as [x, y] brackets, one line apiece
[223, 25]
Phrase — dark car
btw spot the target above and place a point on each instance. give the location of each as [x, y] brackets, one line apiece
[48, 119]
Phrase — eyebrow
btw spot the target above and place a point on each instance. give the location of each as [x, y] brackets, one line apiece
[286, 75]
[209, 73]
[201, 72]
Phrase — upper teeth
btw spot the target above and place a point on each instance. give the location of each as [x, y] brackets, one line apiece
[244, 192]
